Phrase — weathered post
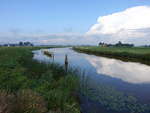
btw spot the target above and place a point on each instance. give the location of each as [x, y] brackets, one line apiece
[53, 57]
[66, 63]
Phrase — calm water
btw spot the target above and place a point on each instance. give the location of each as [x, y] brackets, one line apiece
[108, 85]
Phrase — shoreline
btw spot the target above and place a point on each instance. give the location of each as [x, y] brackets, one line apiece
[124, 56]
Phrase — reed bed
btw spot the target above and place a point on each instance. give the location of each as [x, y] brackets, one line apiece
[28, 86]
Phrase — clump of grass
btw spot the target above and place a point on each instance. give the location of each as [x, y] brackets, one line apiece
[25, 101]
[31, 102]
[6, 102]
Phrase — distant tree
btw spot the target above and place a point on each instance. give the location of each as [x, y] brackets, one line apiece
[100, 43]
[21, 43]
[28, 44]
[119, 44]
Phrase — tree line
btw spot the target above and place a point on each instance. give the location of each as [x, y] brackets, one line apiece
[119, 44]
[18, 44]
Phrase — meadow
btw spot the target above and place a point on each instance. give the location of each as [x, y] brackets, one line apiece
[137, 54]
[28, 86]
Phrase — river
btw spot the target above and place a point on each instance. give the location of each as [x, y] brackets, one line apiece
[108, 85]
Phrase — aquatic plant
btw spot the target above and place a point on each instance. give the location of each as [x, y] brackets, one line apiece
[112, 99]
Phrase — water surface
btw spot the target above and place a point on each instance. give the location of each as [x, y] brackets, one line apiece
[109, 85]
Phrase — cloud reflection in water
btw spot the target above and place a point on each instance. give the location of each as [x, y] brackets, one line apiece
[127, 71]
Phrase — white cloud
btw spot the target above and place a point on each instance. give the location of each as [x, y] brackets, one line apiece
[132, 18]
[131, 23]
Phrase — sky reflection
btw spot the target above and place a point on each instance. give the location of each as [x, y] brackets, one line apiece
[127, 71]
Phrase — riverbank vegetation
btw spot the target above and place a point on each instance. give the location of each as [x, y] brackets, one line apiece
[27, 86]
[137, 54]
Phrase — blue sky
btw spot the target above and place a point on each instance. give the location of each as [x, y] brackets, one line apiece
[58, 16]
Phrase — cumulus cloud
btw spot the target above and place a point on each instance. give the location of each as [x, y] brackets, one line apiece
[130, 19]
[131, 23]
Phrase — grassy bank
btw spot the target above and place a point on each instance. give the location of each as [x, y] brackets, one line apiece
[136, 54]
[27, 86]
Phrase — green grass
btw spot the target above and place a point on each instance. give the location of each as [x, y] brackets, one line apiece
[27, 86]
[137, 54]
